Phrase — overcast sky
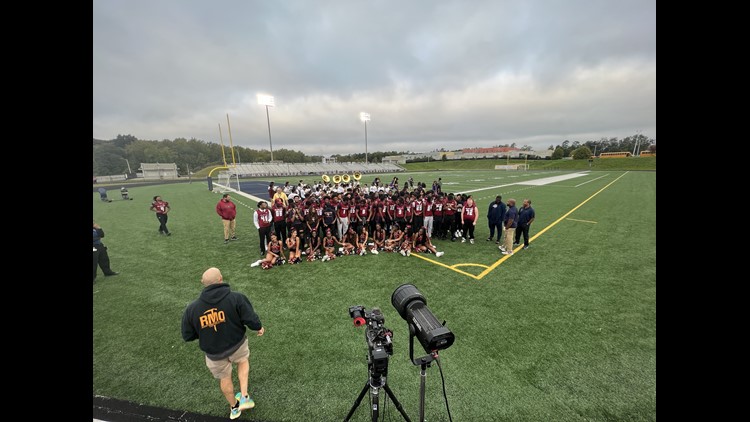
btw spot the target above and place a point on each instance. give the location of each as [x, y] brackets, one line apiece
[432, 74]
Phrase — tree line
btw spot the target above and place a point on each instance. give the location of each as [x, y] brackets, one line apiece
[580, 151]
[113, 156]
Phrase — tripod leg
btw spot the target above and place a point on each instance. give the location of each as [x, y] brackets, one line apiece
[396, 402]
[422, 376]
[358, 401]
[375, 404]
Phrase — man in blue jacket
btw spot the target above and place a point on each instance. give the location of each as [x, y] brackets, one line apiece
[218, 319]
[526, 216]
[510, 223]
[495, 216]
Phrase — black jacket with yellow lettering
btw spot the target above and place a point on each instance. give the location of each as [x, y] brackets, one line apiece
[218, 319]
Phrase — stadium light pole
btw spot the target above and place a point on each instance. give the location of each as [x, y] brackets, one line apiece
[365, 117]
[267, 100]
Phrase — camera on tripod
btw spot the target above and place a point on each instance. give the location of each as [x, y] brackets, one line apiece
[379, 339]
[423, 324]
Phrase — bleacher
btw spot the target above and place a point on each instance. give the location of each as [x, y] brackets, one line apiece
[304, 169]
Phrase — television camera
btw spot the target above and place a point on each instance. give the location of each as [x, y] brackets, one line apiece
[379, 340]
[379, 349]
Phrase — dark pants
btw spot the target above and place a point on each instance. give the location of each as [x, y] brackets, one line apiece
[374, 222]
[264, 233]
[333, 227]
[525, 231]
[354, 225]
[455, 224]
[417, 222]
[162, 223]
[437, 224]
[300, 227]
[279, 228]
[468, 229]
[499, 227]
[101, 259]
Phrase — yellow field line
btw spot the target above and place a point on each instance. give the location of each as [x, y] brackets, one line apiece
[450, 267]
[582, 221]
[501, 260]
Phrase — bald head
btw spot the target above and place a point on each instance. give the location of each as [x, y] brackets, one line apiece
[211, 276]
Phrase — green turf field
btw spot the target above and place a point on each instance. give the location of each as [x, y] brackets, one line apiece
[563, 331]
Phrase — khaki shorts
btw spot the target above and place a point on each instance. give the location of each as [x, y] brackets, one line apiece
[223, 368]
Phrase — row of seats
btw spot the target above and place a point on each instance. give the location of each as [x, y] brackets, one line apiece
[302, 169]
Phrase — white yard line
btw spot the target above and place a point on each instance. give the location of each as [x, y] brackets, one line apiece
[581, 184]
[552, 179]
[491, 187]
[535, 182]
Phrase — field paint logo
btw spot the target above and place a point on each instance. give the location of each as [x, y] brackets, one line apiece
[211, 318]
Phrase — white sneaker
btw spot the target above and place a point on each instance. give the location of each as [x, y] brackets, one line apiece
[501, 247]
[256, 263]
[507, 253]
[362, 253]
[403, 252]
[463, 240]
[374, 251]
[408, 253]
[439, 254]
[471, 241]
[304, 253]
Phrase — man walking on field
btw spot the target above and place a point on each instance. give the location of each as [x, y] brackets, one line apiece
[218, 319]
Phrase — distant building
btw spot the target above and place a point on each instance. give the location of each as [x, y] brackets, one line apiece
[493, 150]
[544, 153]
[159, 171]
[468, 154]
[394, 159]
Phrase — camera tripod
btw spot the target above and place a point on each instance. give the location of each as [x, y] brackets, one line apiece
[423, 362]
[374, 384]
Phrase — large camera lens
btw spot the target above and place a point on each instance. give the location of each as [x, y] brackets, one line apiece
[412, 306]
[404, 294]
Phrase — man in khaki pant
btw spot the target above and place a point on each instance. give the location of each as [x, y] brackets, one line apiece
[510, 222]
[228, 212]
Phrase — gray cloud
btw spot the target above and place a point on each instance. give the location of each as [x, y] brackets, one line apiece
[446, 74]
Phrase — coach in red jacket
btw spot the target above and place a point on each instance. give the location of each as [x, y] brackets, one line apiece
[227, 211]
